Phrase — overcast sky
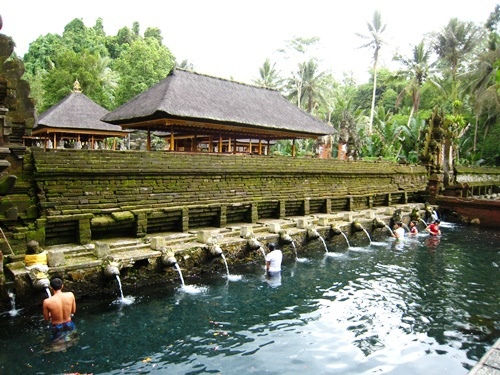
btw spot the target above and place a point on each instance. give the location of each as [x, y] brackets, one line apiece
[232, 38]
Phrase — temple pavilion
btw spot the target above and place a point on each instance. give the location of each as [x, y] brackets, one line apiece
[75, 122]
[196, 112]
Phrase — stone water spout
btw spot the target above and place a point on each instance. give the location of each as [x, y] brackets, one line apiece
[111, 268]
[335, 231]
[168, 257]
[284, 237]
[378, 223]
[39, 277]
[213, 248]
[253, 243]
[357, 227]
[312, 233]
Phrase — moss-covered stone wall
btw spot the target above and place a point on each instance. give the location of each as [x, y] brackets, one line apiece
[88, 194]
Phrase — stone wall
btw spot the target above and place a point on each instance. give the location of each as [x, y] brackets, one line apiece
[86, 195]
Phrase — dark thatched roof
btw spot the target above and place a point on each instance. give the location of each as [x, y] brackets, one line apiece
[193, 103]
[76, 112]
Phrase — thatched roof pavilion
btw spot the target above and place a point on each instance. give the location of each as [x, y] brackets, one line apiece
[201, 108]
[77, 119]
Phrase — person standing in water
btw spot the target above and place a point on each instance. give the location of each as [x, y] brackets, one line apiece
[399, 231]
[413, 228]
[434, 228]
[58, 309]
[273, 259]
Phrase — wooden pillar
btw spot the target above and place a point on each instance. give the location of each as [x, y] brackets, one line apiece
[234, 145]
[172, 140]
[293, 147]
[220, 142]
[250, 146]
[148, 146]
[260, 146]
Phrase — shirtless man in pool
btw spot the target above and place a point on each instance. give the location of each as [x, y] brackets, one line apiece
[59, 308]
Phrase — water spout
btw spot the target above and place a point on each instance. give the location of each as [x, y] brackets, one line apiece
[213, 248]
[378, 223]
[357, 227]
[39, 277]
[253, 243]
[337, 231]
[312, 233]
[285, 238]
[168, 257]
[111, 269]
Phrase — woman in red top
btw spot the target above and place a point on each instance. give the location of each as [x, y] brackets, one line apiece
[434, 228]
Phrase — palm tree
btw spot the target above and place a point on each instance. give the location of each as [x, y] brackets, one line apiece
[375, 42]
[269, 76]
[307, 86]
[453, 45]
[416, 70]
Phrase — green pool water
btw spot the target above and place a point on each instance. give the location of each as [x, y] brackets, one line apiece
[424, 306]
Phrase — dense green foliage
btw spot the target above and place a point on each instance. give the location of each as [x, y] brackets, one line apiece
[455, 71]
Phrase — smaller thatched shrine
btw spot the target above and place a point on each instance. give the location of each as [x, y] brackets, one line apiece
[75, 122]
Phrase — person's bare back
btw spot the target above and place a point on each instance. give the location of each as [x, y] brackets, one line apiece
[58, 308]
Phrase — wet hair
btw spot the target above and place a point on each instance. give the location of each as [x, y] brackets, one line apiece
[271, 246]
[56, 283]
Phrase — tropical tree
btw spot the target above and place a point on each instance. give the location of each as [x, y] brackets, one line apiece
[375, 43]
[144, 64]
[269, 76]
[307, 86]
[454, 45]
[415, 71]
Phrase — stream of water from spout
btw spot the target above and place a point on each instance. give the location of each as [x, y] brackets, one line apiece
[324, 243]
[406, 227]
[346, 239]
[225, 263]
[390, 230]
[295, 249]
[180, 273]
[423, 221]
[367, 235]
[47, 290]
[120, 286]
[13, 311]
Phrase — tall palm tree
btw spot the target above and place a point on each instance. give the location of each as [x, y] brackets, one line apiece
[416, 70]
[453, 45]
[375, 42]
[307, 86]
[268, 76]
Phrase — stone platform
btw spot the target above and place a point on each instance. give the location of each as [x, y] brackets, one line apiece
[490, 363]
